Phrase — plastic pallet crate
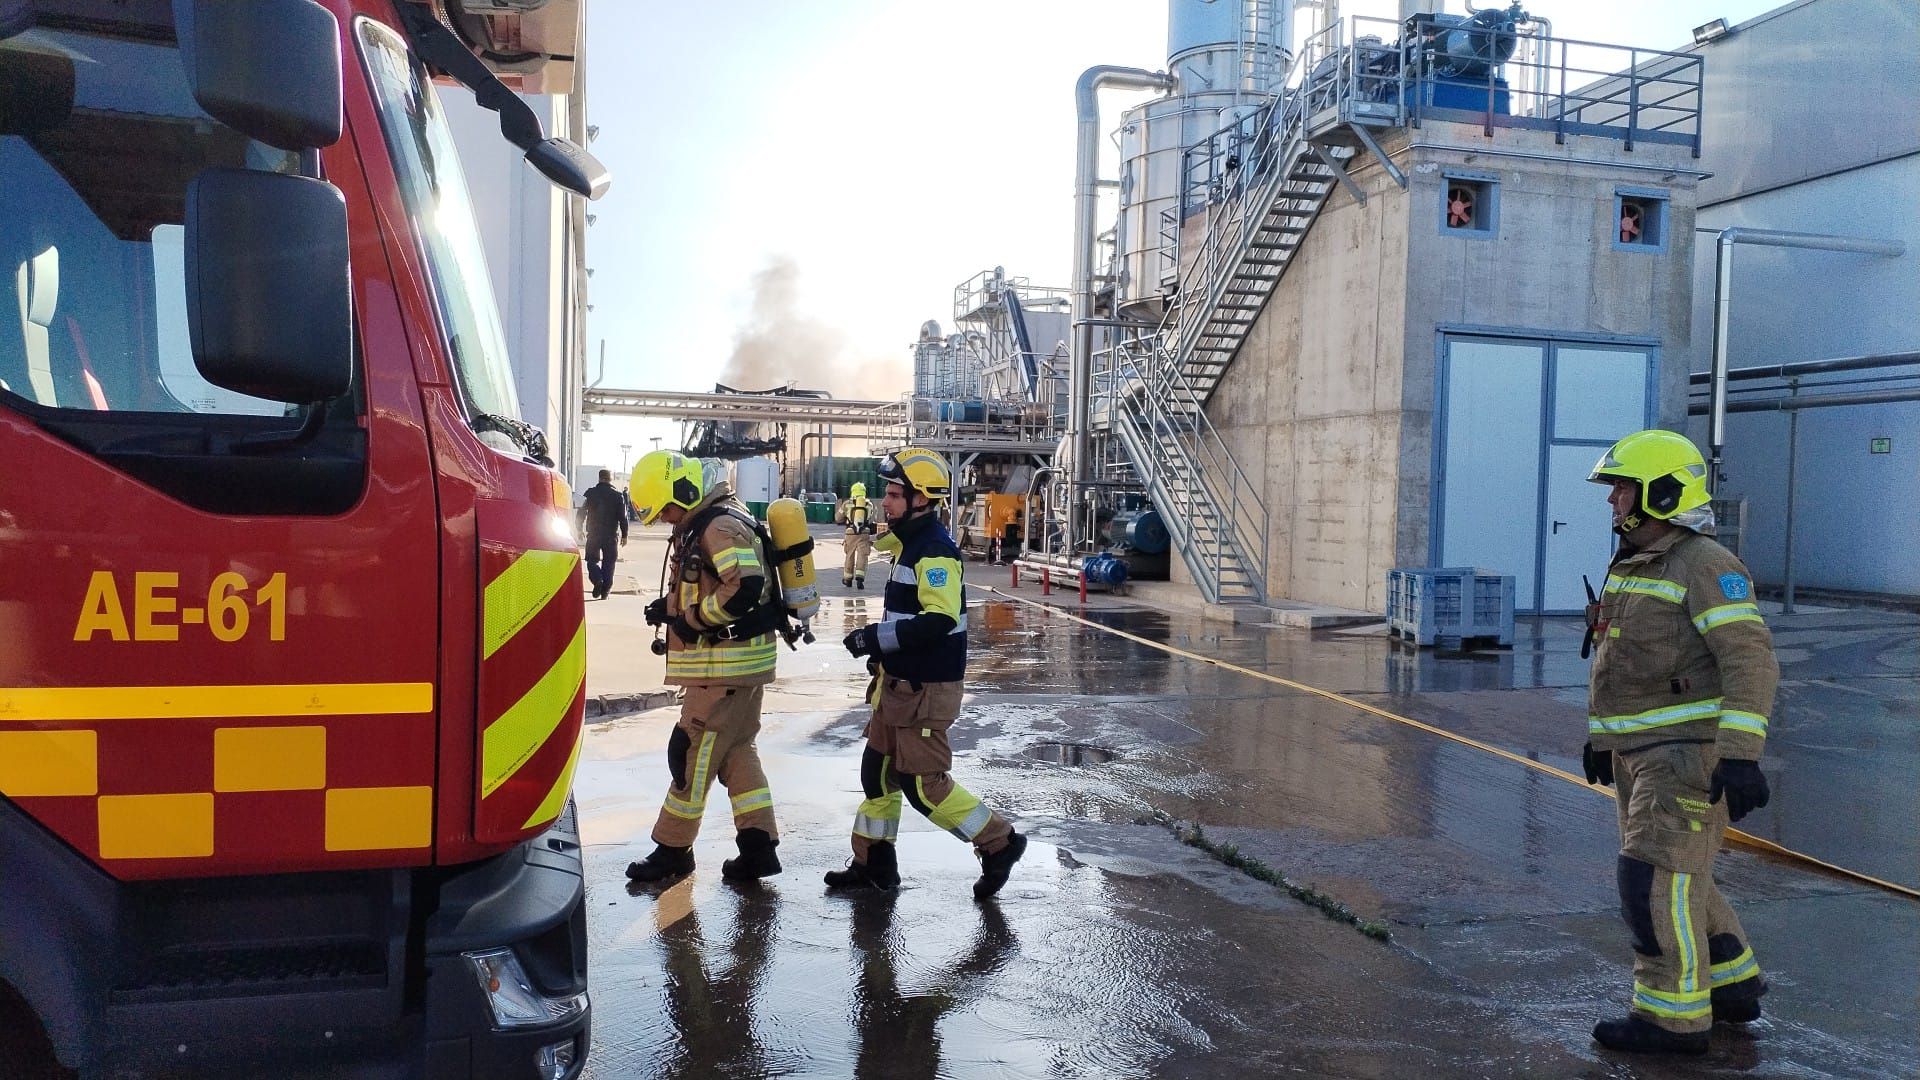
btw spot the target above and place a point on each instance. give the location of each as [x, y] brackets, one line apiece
[1461, 603]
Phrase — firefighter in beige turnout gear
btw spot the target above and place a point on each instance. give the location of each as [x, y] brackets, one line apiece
[1681, 690]
[857, 515]
[720, 650]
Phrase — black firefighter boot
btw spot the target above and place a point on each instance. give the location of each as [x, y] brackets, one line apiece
[860, 582]
[880, 871]
[1637, 1035]
[756, 860]
[994, 868]
[1734, 1003]
[665, 862]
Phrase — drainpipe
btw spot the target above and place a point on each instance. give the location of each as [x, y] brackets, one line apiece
[1086, 188]
[1723, 312]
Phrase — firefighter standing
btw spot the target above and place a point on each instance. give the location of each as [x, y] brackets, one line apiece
[919, 659]
[857, 515]
[720, 649]
[1678, 702]
[603, 511]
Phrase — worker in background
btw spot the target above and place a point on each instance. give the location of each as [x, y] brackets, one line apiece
[918, 655]
[1681, 689]
[720, 614]
[857, 515]
[603, 512]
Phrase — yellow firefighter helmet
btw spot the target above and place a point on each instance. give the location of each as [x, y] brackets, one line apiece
[664, 478]
[922, 470]
[1668, 467]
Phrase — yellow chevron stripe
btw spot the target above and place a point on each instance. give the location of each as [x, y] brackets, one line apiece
[526, 726]
[38, 703]
[562, 787]
[521, 590]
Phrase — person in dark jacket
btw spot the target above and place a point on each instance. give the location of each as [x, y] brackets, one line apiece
[605, 511]
[919, 661]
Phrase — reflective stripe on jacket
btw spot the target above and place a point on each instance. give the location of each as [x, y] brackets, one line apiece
[703, 588]
[1683, 653]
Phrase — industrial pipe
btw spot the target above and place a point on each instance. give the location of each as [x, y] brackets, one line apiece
[1723, 313]
[1812, 367]
[1086, 202]
[1809, 401]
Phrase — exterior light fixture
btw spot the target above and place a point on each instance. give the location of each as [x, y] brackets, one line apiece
[1712, 31]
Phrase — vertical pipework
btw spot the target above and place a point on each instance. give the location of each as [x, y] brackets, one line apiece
[1086, 203]
[1722, 322]
[1723, 313]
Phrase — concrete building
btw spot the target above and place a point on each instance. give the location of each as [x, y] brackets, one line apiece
[1809, 126]
[1418, 395]
[1416, 348]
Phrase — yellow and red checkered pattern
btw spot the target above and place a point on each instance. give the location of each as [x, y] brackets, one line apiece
[248, 796]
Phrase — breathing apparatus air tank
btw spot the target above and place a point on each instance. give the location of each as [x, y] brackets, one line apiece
[787, 525]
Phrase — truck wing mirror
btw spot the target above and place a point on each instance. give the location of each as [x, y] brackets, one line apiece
[569, 165]
[269, 304]
[267, 68]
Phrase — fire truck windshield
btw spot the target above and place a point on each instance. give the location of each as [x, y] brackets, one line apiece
[435, 193]
[99, 138]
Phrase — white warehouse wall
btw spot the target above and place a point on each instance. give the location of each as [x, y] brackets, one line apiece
[1795, 149]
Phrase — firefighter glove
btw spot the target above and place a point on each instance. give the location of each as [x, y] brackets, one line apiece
[657, 612]
[1598, 764]
[864, 641]
[684, 630]
[1743, 784]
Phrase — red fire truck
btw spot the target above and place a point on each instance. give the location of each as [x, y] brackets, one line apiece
[291, 635]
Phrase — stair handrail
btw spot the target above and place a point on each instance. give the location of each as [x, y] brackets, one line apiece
[1150, 392]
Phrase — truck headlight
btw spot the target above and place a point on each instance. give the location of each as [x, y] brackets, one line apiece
[511, 994]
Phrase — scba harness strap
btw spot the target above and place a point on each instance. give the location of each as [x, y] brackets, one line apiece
[770, 615]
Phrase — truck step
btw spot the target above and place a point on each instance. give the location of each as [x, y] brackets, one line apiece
[239, 971]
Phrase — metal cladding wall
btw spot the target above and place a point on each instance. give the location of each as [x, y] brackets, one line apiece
[1809, 128]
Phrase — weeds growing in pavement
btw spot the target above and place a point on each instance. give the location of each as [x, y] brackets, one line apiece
[1193, 836]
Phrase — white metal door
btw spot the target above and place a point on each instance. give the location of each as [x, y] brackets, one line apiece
[1599, 395]
[1579, 529]
[1490, 471]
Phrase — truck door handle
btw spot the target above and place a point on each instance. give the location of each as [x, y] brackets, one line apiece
[1556, 527]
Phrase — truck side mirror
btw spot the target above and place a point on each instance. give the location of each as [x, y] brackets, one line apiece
[569, 165]
[267, 68]
[269, 304]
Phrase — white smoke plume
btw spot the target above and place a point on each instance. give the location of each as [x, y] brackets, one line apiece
[780, 344]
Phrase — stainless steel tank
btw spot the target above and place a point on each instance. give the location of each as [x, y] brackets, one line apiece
[1226, 55]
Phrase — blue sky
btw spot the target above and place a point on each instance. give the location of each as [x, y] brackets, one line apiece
[877, 152]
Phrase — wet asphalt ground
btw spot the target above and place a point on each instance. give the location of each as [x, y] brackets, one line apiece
[1117, 950]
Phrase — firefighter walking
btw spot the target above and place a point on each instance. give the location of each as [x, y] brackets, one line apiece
[720, 646]
[1680, 692]
[919, 659]
[857, 515]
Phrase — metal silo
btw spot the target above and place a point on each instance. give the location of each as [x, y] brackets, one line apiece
[1225, 56]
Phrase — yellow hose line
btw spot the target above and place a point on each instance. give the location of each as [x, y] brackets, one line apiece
[1735, 835]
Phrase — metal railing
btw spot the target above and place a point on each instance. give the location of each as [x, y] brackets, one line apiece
[1213, 508]
[941, 423]
[1364, 68]
[985, 288]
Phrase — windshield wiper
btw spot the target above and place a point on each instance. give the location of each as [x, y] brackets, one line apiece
[530, 439]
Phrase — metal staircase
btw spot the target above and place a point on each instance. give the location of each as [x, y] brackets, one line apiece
[1251, 192]
[1212, 508]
